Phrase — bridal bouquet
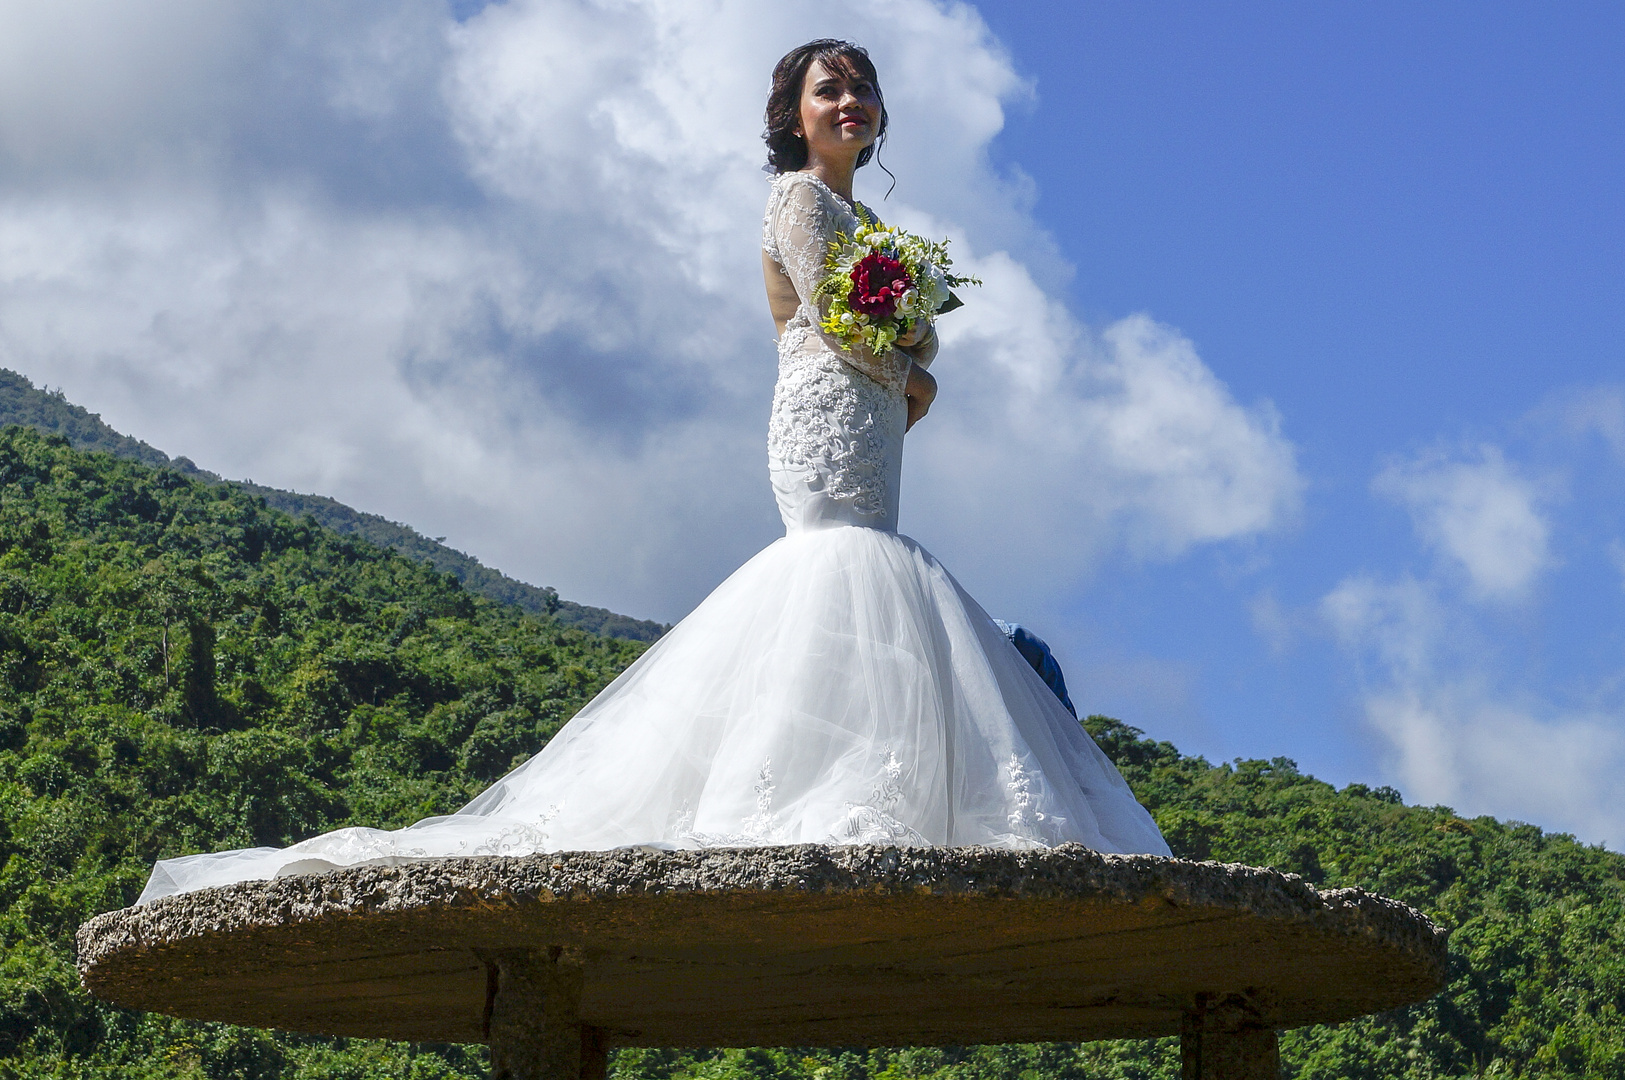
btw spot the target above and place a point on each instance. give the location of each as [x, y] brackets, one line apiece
[880, 280]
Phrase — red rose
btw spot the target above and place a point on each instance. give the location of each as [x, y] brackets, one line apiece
[878, 280]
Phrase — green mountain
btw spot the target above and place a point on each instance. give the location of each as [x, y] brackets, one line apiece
[185, 668]
[50, 411]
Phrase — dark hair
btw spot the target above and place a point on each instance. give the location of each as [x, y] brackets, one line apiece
[787, 151]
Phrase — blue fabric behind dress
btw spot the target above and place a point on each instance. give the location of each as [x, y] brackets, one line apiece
[1036, 652]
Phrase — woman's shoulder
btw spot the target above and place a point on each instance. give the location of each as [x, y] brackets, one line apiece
[806, 190]
[783, 180]
[799, 200]
[805, 186]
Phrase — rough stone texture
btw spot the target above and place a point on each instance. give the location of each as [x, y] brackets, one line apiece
[804, 945]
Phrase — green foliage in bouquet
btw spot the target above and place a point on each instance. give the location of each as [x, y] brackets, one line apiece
[880, 281]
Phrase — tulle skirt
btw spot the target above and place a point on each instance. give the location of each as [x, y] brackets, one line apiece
[840, 687]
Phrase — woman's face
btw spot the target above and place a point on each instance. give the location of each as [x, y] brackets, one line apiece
[839, 117]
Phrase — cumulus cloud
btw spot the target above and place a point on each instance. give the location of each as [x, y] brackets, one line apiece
[499, 278]
[1457, 733]
[1479, 512]
[1117, 438]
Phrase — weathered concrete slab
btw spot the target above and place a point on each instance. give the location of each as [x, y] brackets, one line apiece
[804, 945]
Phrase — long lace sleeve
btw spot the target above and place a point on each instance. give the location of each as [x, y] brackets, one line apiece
[801, 226]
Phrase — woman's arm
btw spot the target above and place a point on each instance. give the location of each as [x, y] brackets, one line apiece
[920, 392]
[803, 227]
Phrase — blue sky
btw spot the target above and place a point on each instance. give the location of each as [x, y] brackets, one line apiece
[1291, 413]
[1403, 225]
[1418, 203]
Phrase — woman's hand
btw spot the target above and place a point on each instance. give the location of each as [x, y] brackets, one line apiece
[919, 393]
[920, 342]
[918, 332]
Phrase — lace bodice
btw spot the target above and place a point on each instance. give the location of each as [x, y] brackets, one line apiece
[838, 417]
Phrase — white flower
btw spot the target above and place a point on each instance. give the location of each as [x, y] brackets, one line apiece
[935, 287]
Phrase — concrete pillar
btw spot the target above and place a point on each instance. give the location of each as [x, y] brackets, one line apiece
[594, 1053]
[533, 1017]
[1226, 1038]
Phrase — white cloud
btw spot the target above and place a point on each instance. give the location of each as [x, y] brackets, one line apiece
[1458, 747]
[84, 83]
[1399, 623]
[1587, 410]
[1457, 734]
[499, 279]
[1479, 512]
[1279, 627]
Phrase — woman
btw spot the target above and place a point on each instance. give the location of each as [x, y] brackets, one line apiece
[840, 687]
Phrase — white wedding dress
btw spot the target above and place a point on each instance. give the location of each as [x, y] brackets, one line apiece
[840, 687]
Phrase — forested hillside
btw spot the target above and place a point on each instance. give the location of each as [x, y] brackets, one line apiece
[186, 668]
[51, 412]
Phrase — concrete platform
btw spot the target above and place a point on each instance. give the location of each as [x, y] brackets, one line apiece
[804, 945]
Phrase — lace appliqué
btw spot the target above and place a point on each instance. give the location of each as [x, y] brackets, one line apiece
[830, 418]
[806, 225]
[873, 822]
[831, 412]
[761, 829]
[1025, 817]
[764, 824]
[516, 839]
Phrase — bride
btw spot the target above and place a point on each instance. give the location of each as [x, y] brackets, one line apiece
[840, 687]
